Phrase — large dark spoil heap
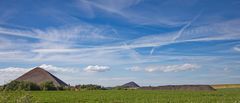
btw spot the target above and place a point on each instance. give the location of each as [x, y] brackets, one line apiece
[39, 75]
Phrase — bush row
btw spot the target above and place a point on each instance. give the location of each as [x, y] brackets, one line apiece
[29, 86]
[89, 87]
[45, 86]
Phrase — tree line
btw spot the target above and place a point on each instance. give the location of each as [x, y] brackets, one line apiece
[45, 86]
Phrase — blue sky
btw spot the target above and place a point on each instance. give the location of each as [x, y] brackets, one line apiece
[109, 42]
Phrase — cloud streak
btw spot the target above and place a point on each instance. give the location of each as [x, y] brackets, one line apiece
[50, 68]
[172, 68]
[10, 70]
[186, 26]
[53, 51]
[237, 48]
[67, 33]
[134, 69]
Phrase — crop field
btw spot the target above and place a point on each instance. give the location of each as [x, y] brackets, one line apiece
[222, 86]
[122, 96]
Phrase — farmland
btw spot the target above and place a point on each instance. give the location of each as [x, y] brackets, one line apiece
[122, 96]
[222, 86]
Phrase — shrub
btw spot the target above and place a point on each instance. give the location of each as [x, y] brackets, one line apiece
[30, 86]
[1, 88]
[119, 88]
[48, 85]
[12, 86]
[21, 85]
[70, 88]
[89, 87]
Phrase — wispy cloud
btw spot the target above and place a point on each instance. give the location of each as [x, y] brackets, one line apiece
[54, 51]
[50, 68]
[134, 69]
[10, 70]
[172, 68]
[116, 7]
[51, 40]
[124, 8]
[237, 48]
[219, 31]
[16, 32]
[117, 79]
[67, 33]
[186, 26]
[165, 68]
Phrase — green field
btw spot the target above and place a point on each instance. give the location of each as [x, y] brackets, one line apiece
[122, 96]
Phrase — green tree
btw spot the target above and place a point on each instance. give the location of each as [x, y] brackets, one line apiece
[89, 87]
[1, 88]
[48, 85]
[21, 85]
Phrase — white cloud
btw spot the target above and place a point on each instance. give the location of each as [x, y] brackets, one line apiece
[172, 68]
[11, 73]
[96, 68]
[11, 70]
[50, 68]
[54, 69]
[134, 69]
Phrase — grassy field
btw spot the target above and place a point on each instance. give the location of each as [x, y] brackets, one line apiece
[122, 96]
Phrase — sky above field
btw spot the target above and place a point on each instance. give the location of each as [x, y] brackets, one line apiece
[111, 42]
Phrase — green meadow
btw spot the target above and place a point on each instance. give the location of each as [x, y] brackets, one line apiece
[122, 96]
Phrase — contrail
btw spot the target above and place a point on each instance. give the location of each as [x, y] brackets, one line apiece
[151, 52]
[182, 29]
[186, 26]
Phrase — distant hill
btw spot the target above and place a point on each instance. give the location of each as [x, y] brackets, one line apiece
[130, 85]
[223, 86]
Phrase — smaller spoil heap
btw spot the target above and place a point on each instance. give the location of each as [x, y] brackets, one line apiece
[130, 85]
